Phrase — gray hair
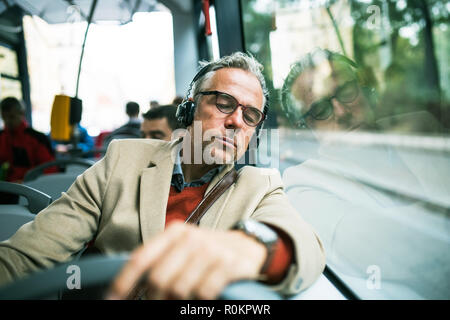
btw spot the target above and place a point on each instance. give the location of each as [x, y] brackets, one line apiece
[237, 60]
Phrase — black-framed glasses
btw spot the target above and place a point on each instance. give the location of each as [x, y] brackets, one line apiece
[227, 104]
[323, 109]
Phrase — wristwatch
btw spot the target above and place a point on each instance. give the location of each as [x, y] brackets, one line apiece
[263, 234]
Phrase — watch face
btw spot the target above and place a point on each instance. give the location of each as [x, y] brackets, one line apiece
[260, 231]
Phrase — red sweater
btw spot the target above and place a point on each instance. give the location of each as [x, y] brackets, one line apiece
[181, 204]
[24, 148]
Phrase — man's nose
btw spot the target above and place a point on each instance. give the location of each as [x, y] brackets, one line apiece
[340, 109]
[235, 120]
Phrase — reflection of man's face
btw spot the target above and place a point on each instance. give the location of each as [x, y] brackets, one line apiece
[156, 129]
[334, 95]
[227, 135]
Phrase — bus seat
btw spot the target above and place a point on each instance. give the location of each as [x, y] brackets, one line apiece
[99, 271]
[36, 199]
[13, 216]
[72, 166]
[53, 184]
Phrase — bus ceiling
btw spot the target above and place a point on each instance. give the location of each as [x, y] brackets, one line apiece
[60, 11]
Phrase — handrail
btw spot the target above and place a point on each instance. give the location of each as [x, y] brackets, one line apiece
[99, 270]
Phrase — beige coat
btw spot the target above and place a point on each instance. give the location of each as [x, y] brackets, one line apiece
[121, 202]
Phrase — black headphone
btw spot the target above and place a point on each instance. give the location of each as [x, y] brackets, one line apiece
[185, 110]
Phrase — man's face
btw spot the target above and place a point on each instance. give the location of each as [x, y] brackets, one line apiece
[156, 129]
[12, 118]
[226, 136]
[331, 89]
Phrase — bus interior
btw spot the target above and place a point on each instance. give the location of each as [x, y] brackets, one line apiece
[378, 195]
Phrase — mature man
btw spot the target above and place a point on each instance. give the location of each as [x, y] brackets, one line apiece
[21, 147]
[250, 232]
[159, 122]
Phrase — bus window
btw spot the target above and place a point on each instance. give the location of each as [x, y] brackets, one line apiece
[361, 94]
[9, 81]
[122, 62]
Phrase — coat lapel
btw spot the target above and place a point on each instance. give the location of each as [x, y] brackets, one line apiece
[212, 216]
[154, 192]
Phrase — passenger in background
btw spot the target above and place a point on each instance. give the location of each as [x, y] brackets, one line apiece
[85, 142]
[21, 147]
[159, 123]
[154, 104]
[129, 130]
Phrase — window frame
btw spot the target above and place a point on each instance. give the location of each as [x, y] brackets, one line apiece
[14, 15]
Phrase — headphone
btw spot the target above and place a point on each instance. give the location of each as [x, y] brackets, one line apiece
[185, 110]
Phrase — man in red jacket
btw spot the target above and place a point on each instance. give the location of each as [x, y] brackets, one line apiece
[21, 147]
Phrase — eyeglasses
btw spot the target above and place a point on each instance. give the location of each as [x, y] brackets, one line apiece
[323, 108]
[227, 104]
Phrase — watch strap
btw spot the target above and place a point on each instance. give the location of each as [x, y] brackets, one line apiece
[270, 245]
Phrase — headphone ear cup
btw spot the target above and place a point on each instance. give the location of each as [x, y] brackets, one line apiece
[190, 109]
[185, 113]
[181, 113]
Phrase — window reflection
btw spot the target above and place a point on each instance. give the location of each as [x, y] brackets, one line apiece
[361, 94]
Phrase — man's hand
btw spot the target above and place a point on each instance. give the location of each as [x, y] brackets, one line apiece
[187, 262]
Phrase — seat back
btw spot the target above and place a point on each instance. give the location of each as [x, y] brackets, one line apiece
[13, 216]
[99, 271]
[79, 164]
[53, 184]
[36, 199]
